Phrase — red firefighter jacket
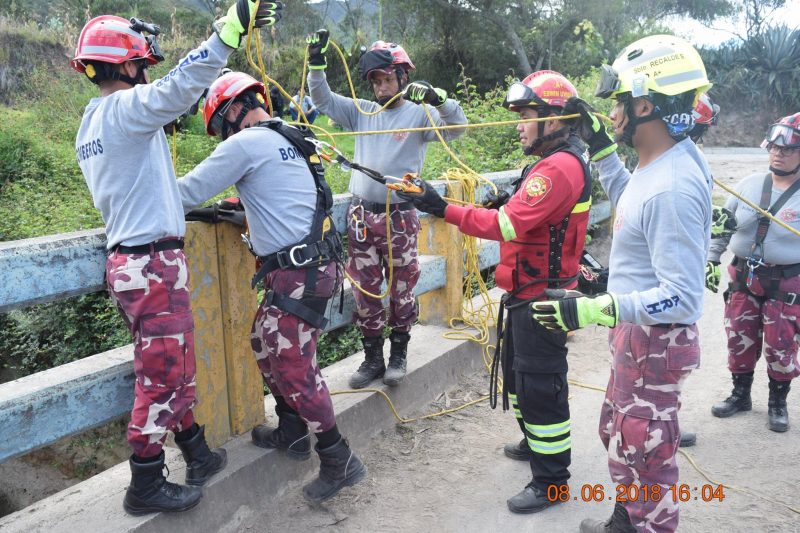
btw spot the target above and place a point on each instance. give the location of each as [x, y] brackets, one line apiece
[542, 228]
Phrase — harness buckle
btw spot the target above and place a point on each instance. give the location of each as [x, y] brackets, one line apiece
[791, 298]
[294, 261]
[248, 242]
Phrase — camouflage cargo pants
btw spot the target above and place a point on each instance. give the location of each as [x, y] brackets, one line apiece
[368, 260]
[152, 294]
[639, 417]
[752, 324]
[285, 347]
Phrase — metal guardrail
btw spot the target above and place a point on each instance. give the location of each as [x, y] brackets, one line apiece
[71, 398]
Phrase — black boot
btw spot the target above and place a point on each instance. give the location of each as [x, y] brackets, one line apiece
[396, 370]
[150, 492]
[201, 463]
[532, 499]
[373, 366]
[619, 522]
[338, 468]
[688, 439]
[519, 451]
[291, 435]
[739, 400]
[778, 414]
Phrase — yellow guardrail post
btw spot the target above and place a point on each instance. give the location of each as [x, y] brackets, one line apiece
[437, 237]
[239, 304]
[229, 389]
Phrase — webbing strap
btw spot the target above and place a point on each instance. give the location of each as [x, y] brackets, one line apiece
[311, 310]
[763, 220]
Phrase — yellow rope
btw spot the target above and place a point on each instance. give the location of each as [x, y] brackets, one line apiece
[734, 488]
[458, 126]
[175, 148]
[767, 214]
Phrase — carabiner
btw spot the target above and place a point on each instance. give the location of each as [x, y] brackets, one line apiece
[753, 262]
[324, 150]
[395, 231]
[359, 227]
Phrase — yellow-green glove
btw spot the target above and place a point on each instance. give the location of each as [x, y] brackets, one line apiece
[422, 91]
[590, 129]
[723, 222]
[317, 46]
[571, 310]
[713, 275]
[233, 26]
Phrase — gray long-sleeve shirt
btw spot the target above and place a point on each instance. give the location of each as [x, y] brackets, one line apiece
[273, 181]
[123, 152]
[393, 154]
[661, 235]
[781, 247]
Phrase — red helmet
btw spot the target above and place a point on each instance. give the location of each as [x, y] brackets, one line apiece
[542, 88]
[383, 56]
[111, 39]
[706, 111]
[785, 132]
[221, 95]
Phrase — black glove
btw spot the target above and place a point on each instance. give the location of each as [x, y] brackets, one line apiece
[317, 46]
[427, 201]
[496, 201]
[227, 210]
[590, 129]
[422, 91]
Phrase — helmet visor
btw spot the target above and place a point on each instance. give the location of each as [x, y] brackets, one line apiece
[215, 124]
[608, 83]
[520, 95]
[374, 59]
[783, 135]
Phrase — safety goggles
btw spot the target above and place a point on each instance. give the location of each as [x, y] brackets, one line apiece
[608, 83]
[783, 135]
[217, 119]
[520, 95]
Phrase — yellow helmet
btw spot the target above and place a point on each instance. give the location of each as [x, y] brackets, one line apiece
[662, 64]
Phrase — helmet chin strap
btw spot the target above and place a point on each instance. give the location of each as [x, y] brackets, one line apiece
[400, 73]
[537, 147]
[105, 71]
[784, 173]
[633, 121]
[249, 102]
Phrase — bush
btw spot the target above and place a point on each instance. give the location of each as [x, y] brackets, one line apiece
[48, 335]
[762, 73]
